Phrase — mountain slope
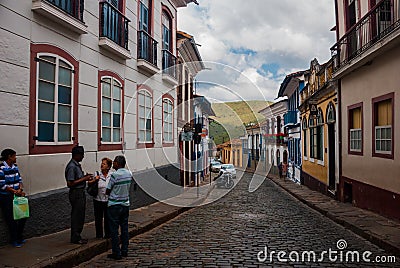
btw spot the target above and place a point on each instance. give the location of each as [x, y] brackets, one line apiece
[232, 116]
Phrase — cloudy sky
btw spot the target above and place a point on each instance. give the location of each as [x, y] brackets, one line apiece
[250, 46]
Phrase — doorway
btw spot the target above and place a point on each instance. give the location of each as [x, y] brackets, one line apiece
[331, 157]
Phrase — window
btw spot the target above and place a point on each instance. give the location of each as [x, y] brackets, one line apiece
[383, 131]
[313, 136]
[305, 136]
[111, 110]
[320, 135]
[53, 97]
[145, 116]
[330, 113]
[144, 15]
[316, 136]
[168, 120]
[54, 100]
[355, 129]
[166, 31]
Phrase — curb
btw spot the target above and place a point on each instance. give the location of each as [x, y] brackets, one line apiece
[87, 252]
[92, 249]
[354, 228]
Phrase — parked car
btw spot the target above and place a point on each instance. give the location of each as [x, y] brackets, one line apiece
[215, 166]
[230, 168]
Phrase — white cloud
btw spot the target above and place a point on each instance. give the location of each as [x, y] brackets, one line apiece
[250, 34]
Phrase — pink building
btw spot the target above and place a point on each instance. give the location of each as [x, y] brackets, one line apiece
[367, 69]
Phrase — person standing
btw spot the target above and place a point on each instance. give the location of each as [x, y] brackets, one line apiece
[10, 185]
[118, 207]
[100, 202]
[76, 182]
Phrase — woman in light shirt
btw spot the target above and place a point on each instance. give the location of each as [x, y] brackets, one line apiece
[100, 201]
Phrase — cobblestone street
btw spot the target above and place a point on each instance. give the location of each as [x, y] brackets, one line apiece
[233, 230]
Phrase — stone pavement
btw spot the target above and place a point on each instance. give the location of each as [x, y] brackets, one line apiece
[379, 230]
[239, 224]
[54, 250]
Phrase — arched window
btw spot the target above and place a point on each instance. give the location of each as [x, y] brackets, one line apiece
[330, 113]
[166, 30]
[305, 127]
[111, 110]
[53, 109]
[145, 116]
[316, 136]
[168, 119]
[320, 117]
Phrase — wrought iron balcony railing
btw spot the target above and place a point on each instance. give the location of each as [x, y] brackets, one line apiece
[113, 24]
[168, 63]
[147, 47]
[72, 7]
[378, 23]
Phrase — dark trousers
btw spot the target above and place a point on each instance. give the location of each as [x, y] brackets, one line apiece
[77, 198]
[118, 216]
[15, 227]
[100, 215]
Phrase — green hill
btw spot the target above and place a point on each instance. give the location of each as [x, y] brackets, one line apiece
[232, 116]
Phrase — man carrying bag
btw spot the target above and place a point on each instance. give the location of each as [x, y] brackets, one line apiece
[11, 186]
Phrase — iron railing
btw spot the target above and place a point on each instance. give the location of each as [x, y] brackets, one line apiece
[147, 47]
[73, 8]
[373, 27]
[168, 63]
[113, 24]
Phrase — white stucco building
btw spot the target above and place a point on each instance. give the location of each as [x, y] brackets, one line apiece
[95, 73]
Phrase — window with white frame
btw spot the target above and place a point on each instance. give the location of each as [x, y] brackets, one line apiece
[320, 135]
[167, 120]
[111, 110]
[145, 117]
[355, 124]
[383, 126]
[313, 136]
[54, 102]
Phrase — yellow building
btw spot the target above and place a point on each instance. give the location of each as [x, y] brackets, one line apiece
[231, 152]
[319, 129]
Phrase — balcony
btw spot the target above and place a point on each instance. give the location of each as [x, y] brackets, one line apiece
[113, 30]
[147, 53]
[376, 30]
[278, 139]
[290, 118]
[68, 13]
[169, 67]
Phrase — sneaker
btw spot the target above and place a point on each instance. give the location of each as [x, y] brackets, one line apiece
[114, 257]
[23, 241]
[17, 245]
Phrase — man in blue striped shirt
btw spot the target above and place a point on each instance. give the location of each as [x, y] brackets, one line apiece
[10, 185]
[118, 207]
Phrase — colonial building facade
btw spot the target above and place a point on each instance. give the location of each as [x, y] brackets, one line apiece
[274, 138]
[95, 73]
[291, 87]
[318, 100]
[367, 56]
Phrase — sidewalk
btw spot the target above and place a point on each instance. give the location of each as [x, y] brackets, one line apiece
[379, 230]
[54, 250]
